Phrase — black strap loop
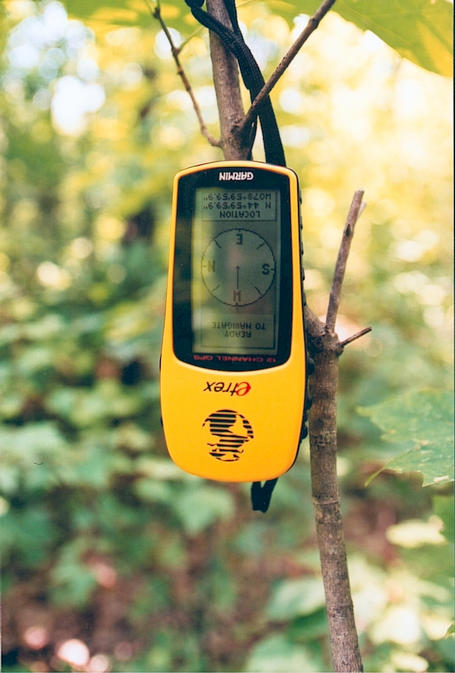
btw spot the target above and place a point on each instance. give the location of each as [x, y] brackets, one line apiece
[261, 495]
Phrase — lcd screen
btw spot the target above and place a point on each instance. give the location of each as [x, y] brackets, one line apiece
[235, 270]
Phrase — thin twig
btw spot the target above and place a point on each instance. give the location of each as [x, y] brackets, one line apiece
[354, 337]
[340, 267]
[156, 13]
[311, 26]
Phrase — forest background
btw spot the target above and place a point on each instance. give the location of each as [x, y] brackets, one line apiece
[113, 559]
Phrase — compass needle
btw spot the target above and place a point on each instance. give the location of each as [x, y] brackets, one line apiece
[253, 269]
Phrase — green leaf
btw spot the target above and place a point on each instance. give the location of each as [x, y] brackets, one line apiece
[294, 598]
[160, 469]
[420, 30]
[36, 441]
[276, 654]
[94, 465]
[309, 627]
[420, 426]
[30, 532]
[414, 533]
[72, 579]
[111, 14]
[49, 326]
[84, 407]
[36, 359]
[443, 508]
[150, 490]
[199, 507]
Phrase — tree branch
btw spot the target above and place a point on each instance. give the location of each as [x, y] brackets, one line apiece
[325, 349]
[227, 88]
[313, 326]
[355, 336]
[156, 13]
[340, 267]
[311, 26]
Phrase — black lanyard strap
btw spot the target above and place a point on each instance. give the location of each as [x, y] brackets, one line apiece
[273, 147]
[261, 495]
[250, 71]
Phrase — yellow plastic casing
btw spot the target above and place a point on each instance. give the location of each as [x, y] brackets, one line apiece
[263, 409]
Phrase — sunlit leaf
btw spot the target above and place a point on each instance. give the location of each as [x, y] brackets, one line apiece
[406, 661]
[49, 326]
[415, 533]
[398, 624]
[110, 14]
[420, 30]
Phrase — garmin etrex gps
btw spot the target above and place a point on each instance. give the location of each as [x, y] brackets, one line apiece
[233, 361]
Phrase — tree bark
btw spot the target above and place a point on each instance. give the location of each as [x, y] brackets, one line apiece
[227, 88]
[325, 350]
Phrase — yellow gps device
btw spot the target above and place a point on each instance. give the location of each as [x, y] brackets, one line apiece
[233, 376]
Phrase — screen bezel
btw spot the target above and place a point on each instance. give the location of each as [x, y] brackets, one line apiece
[259, 178]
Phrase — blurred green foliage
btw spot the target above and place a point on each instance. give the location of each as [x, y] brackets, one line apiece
[420, 425]
[113, 558]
